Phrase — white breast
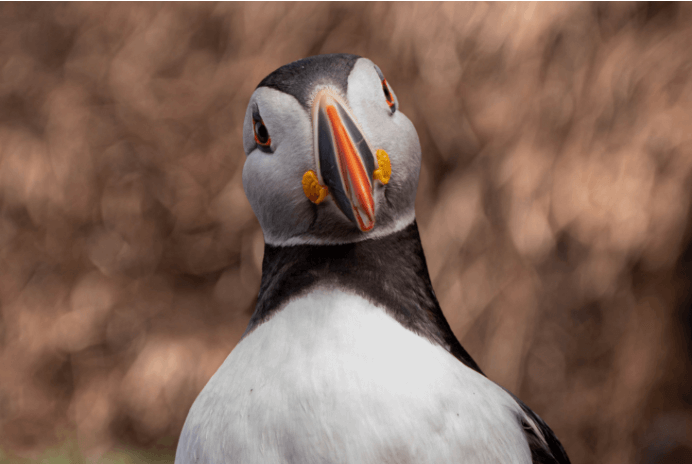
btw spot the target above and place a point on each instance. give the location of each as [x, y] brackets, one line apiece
[332, 378]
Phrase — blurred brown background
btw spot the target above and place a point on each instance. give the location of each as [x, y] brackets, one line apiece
[554, 205]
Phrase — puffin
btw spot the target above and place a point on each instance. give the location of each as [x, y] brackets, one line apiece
[348, 357]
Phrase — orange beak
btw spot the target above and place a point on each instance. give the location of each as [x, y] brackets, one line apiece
[344, 159]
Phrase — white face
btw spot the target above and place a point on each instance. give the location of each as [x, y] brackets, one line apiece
[273, 173]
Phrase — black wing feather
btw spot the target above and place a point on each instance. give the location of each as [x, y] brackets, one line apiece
[544, 445]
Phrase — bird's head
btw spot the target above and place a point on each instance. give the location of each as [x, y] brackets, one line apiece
[330, 157]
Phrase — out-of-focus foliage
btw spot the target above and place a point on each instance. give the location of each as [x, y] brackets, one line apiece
[554, 205]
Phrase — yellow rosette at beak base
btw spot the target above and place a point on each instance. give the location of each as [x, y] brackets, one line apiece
[315, 192]
[384, 169]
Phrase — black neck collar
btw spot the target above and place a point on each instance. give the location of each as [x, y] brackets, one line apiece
[389, 271]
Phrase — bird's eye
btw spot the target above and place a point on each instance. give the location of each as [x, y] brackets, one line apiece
[261, 133]
[388, 95]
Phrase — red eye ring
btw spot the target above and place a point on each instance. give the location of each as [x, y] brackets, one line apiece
[388, 94]
[261, 133]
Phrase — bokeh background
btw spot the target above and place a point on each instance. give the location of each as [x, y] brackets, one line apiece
[554, 206]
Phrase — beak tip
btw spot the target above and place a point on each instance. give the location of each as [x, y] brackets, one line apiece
[365, 222]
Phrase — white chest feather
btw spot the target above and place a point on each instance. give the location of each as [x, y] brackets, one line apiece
[333, 379]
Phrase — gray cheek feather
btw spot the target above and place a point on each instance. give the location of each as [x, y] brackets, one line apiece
[275, 193]
[396, 135]
[409, 164]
